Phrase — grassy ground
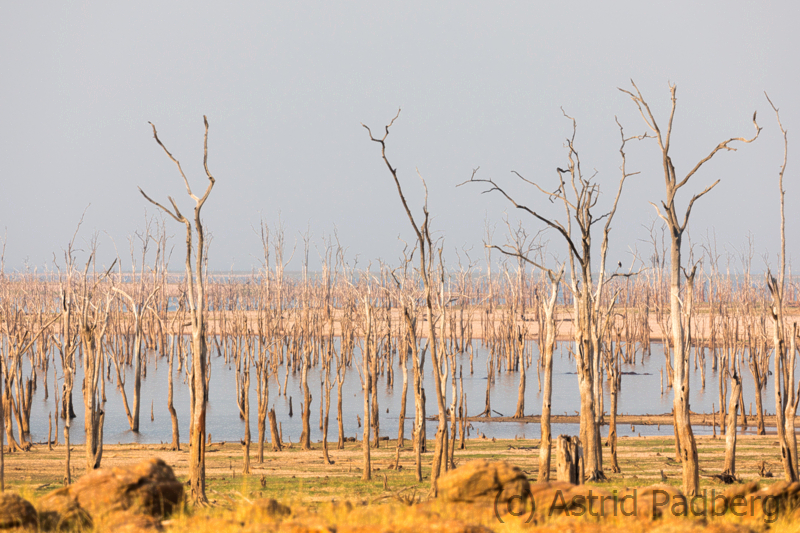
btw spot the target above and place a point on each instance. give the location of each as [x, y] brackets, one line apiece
[301, 480]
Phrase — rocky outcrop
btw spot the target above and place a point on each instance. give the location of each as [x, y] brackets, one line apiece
[482, 480]
[16, 511]
[266, 509]
[148, 489]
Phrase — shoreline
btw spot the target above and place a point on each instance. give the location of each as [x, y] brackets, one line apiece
[666, 419]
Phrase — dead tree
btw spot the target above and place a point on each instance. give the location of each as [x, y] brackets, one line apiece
[67, 344]
[243, 358]
[366, 356]
[570, 467]
[92, 323]
[424, 245]
[758, 353]
[546, 353]
[139, 298]
[196, 309]
[615, 379]
[730, 431]
[18, 339]
[579, 195]
[305, 435]
[786, 399]
[681, 332]
[410, 344]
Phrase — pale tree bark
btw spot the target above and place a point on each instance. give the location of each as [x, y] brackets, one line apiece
[615, 381]
[327, 386]
[730, 432]
[424, 244]
[173, 346]
[681, 342]
[546, 353]
[519, 248]
[579, 196]
[785, 396]
[173, 414]
[17, 342]
[196, 309]
[759, 368]
[92, 323]
[520, 410]
[403, 354]
[366, 355]
[139, 297]
[305, 415]
[67, 345]
[417, 360]
[243, 358]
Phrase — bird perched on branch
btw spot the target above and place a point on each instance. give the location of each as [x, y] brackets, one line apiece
[556, 192]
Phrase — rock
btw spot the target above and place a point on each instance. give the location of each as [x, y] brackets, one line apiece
[561, 498]
[738, 493]
[127, 522]
[783, 490]
[767, 504]
[16, 511]
[58, 511]
[547, 497]
[650, 503]
[482, 480]
[266, 509]
[148, 489]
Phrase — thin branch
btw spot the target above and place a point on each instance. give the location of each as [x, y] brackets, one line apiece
[185, 181]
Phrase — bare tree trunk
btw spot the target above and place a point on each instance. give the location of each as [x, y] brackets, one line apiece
[2, 436]
[305, 436]
[730, 432]
[520, 411]
[403, 396]
[615, 379]
[176, 438]
[758, 384]
[92, 329]
[246, 399]
[681, 332]
[425, 249]
[366, 354]
[339, 414]
[792, 400]
[277, 445]
[375, 417]
[683, 428]
[546, 355]
[197, 430]
[569, 460]
[327, 387]
[197, 304]
[67, 465]
[137, 373]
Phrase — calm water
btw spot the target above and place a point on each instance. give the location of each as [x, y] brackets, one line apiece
[640, 394]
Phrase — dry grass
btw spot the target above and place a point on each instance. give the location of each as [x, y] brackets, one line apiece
[328, 495]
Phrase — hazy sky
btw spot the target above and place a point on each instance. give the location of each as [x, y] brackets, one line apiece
[285, 86]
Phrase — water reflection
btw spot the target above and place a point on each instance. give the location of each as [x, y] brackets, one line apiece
[640, 394]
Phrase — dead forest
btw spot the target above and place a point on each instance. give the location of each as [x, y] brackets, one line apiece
[344, 318]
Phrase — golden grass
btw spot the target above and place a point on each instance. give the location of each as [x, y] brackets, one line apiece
[332, 497]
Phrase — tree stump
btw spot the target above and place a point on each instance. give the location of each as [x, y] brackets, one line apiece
[569, 460]
[277, 444]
